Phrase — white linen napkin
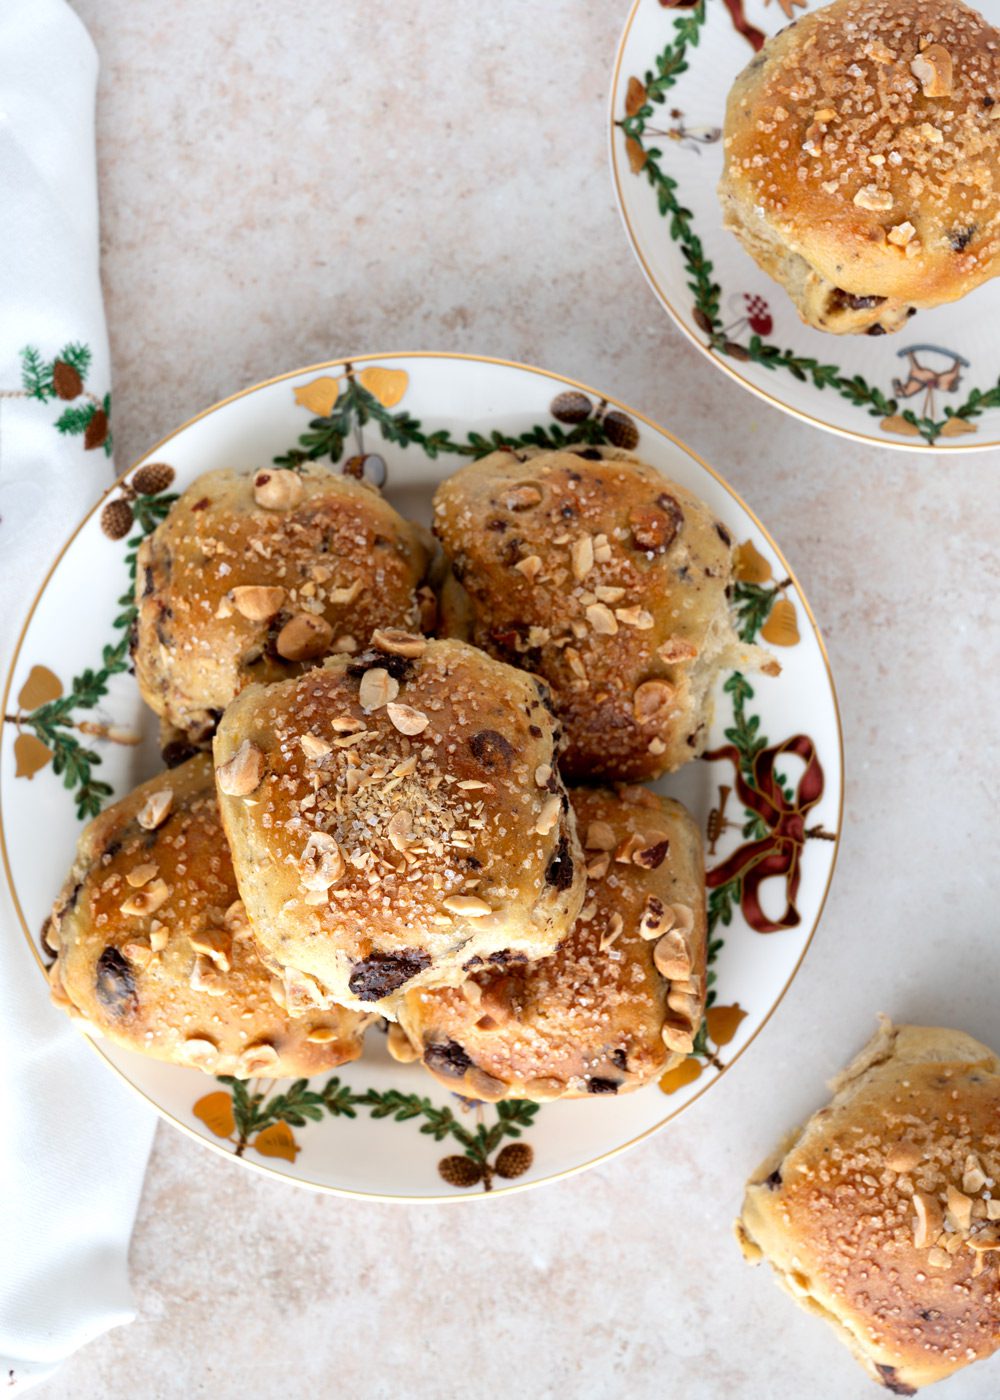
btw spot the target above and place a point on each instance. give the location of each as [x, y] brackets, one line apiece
[74, 1141]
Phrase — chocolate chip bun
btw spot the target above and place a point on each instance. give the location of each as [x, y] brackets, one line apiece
[617, 1003]
[882, 1214]
[608, 581]
[861, 160]
[395, 817]
[256, 577]
[153, 949]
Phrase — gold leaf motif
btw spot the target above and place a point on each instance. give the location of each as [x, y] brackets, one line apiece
[724, 1022]
[319, 395]
[277, 1141]
[636, 155]
[635, 96]
[41, 686]
[781, 629]
[896, 423]
[685, 1073]
[749, 565]
[956, 427]
[216, 1112]
[30, 754]
[387, 385]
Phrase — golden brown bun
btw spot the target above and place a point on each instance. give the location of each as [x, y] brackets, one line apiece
[371, 858]
[608, 581]
[861, 160]
[912, 1136]
[181, 981]
[597, 1017]
[221, 581]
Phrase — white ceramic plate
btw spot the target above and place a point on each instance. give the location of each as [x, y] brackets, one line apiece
[379, 1128]
[933, 385]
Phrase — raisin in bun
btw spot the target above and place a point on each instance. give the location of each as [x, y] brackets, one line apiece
[254, 577]
[619, 1001]
[608, 581]
[882, 1214]
[861, 160]
[396, 816]
[153, 949]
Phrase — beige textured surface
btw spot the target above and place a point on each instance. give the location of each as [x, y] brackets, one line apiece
[285, 181]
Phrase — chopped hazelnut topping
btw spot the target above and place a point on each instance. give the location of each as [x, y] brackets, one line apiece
[597, 867]
[549, 815]
[277, 489]
[872, 198]
[257, 603]
[903, 1157]
[322, 862]
[542, 774]
[651, 701]
[258, 1059]
[672, 956]
[600, 837]
[154, 810]
[243, 773]
[346, 593]
[141, 875]
[216, 944]
[602, 619]
[139, 954]
[346, 724]
[399, 830]
[676, 651]
[530, 566]
[399, 643]
[933, 71]
[377, 688]
[901, 234]
[406, 719]
[635, 617]
[522, 498]
[657, 919]
[973, 1177]
[678, 1037]
[147, 900]
[582, 555]
[313, 747]
[929, 1220]
[959, 1208]
[613, 932]
[198, 1050]
[467, 906]
[322, 1035]
[304, 637]
[205, 977]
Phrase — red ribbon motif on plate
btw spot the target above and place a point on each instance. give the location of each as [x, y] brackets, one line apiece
[777, 855]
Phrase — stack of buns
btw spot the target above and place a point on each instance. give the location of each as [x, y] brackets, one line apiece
[382, 831]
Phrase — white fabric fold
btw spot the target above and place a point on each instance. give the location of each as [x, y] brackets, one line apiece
[74, 1140]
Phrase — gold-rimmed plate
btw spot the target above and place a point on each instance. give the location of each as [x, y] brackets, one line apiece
[934, 385]
[75, 735]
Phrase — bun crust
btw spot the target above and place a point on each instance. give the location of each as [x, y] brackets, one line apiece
[861, 160]
[402, 818]
[597, 1016]
[593, 571]
[221, 582]
[182, 982]
[879, 1215]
